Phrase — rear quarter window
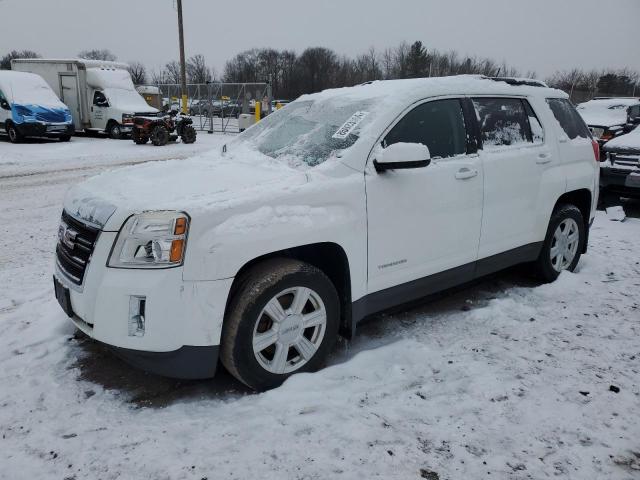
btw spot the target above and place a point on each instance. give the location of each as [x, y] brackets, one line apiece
[568, 118]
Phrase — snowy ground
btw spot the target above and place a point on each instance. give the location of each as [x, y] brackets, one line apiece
[505, 379]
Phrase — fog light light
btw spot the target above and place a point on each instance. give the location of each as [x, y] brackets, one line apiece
[137, 306]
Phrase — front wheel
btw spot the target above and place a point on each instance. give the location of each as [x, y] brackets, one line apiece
[563, 244]
[188, 134]
[283, 319]
[115, 131]
[65, 138]
[139, 137]
[14, 135]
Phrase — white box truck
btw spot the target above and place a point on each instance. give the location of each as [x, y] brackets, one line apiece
[100, 94]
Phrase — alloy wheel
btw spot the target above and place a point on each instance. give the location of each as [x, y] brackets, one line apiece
[565, 244]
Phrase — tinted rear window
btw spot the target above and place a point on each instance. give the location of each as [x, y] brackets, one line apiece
[570, 120]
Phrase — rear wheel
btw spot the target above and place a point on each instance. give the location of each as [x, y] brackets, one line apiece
[14, 135]
[563, 244]
[283, 319]
[159, 135]
[188, 134]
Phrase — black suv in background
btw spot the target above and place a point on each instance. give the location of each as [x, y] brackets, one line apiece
[620, 170]
[608, 118]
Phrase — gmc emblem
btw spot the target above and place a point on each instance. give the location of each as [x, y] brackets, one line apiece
[67, 236]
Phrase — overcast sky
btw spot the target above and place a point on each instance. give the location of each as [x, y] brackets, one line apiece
[541, 35]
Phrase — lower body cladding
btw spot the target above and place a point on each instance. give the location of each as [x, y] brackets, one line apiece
[621, 181]
[52, 130]
[150, 318]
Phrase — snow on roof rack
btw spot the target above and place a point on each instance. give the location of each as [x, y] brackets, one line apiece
[519, 81]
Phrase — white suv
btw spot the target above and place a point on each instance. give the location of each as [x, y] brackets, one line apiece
[343, 204]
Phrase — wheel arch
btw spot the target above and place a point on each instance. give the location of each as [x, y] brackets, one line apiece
[328, 257]
[582, 199]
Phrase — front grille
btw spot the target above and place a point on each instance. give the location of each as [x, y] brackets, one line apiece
[76, 242]
[627, 160]
[50, 116]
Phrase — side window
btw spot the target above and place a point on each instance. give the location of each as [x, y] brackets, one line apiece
[634, 111]
[99, 100]
[570, 120]
[439, 125]
[503, 121]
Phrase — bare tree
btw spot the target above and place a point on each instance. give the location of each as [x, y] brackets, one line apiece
[98, 54]
[197, 70]
[5, 62]
[138, 73]
[171, 72]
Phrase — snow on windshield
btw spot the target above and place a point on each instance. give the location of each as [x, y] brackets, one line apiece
[310, 131]
[30, 89]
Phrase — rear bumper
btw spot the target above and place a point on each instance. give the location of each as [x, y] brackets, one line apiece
[187, 362]
[44, 130]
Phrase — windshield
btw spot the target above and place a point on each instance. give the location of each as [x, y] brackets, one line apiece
[33, 90]
[310, 131]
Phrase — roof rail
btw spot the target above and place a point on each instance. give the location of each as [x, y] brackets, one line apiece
[519, 81]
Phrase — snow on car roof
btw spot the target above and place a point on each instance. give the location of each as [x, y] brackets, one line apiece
[606, 112]
[408, 90]
[83, 61]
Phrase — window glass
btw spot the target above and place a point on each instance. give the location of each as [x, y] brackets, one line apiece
[634, 111]
[537, 132]
[570, 120]
[439, 125]
[503, 121]
[100, 100]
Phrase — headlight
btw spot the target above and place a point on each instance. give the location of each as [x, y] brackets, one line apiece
[151, 240]
[127, 118]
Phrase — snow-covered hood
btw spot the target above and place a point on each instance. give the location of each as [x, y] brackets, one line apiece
[628, 142]
[196, 186]
[603, 117]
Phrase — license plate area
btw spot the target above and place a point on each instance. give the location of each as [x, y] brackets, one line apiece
[63, 296]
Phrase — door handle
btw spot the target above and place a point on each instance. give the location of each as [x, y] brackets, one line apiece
[466, 172]
[543, 158]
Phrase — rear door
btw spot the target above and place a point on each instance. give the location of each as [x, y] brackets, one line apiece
[70, 96]
[575, 147]
[424, 221]
[516, 159]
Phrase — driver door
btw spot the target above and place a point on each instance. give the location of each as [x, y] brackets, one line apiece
[99, 108]
[426, 221]
[5, 111]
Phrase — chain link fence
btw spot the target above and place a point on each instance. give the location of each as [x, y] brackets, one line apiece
[215, 106]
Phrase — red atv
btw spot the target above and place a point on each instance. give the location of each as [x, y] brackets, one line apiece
[160, 130]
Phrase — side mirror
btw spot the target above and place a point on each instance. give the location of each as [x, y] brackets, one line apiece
[402, 155]
[5, 105]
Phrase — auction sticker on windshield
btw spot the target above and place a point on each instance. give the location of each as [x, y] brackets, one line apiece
[348, 126]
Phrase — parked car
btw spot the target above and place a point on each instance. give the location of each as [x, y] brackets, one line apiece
[346, 203]
[620, 170]
[100, 94]
[217, 108]
[29, 108]
[609, 117]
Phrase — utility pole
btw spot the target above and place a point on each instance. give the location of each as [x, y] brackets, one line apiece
[183, 66]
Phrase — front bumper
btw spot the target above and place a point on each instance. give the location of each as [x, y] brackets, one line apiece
[45, 130]
[622, 181]
[182, 319]
[188, 362]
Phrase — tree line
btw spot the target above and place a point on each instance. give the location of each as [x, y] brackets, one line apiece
[316, 68]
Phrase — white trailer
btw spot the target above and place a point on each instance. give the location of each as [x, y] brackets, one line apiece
[100, 94]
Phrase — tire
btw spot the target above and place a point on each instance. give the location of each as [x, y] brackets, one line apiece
[285, 283]
[114, 130]
[159, 135]
[566, 221]
[14, 134]
[65, 138]
[188, 134]
[138, 137]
